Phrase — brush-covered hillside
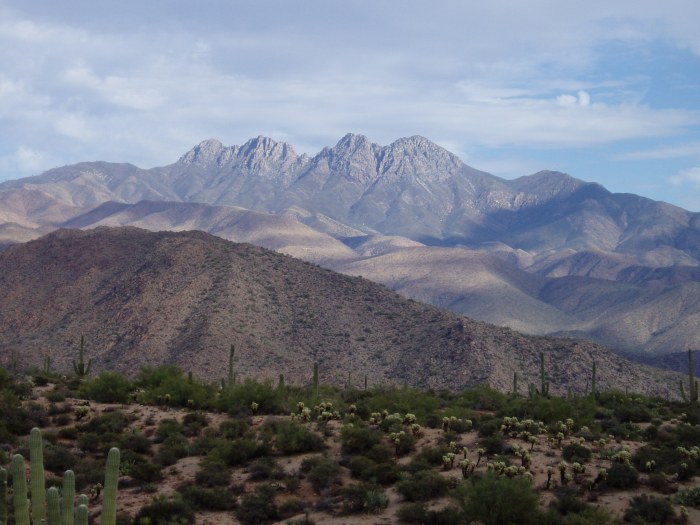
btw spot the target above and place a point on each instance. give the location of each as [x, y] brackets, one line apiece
[141, 298]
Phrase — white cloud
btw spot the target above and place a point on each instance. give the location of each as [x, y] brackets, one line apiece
[688, 176]
[109, 88]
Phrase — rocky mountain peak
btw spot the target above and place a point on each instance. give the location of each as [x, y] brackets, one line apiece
[205, 153]
[417, 156]
[353, 157]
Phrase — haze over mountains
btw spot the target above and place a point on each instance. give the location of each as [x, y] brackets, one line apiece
[545, 253]
[145, 298]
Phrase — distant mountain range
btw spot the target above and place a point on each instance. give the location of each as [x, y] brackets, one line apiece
[143, 298]
[545, 253]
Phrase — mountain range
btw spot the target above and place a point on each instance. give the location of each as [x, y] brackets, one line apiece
[144, 298]
[544, 253]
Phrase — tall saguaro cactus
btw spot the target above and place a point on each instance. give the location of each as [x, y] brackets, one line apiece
[109, 503]
[53, 507]
[231, 372]
[36, 460]
[80, 368]
[692, 396]
[19, 489]
[68, 493]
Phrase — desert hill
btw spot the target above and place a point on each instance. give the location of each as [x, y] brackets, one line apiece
[143, 298]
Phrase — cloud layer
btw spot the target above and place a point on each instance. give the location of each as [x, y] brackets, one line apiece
[143, 83]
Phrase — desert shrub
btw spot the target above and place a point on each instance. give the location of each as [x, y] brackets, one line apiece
[567, 501]
[212, 474]
[108, 387]
[659, 483]
[88, 472]
[575, 453]
[168, 428]
[173, 448]
[357, 439]
[206, 498]
[168, 385]
[423, 485]
[688, 497]
[649, 510]
[292, 437]
[139, 468]
[233, 428]
[632, 411]
[58, 459]
[259, 507]
[115, 422]
[493, 444]
[241, 451]
[265, 468]
[237, 399]
[482, 397]
[363, 497]
[68, 433]
[322, 472]
[495, 500]
[418, 513]
[57, 395]
[366, 469]
[194, 422]
[62, 420]
[432, 455]
[621, 476]
[165, 511]
[290, 507]
[401, 400]
[136, 442]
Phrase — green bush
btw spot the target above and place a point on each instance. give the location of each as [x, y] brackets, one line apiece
[621, 476]
[649, 510]
[322, 472]
[575, 453]
[495, 500]
[265, 468]
[292, 437]
[233, 428]
[164, 511]
[237, 399]
[206, 498]
[688, 497]
[423, 485]
[212, 474]
[357, 439]
[108, 387]
[363, 497]
[258, 508]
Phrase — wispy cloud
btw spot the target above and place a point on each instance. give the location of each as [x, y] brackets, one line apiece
[688, 176]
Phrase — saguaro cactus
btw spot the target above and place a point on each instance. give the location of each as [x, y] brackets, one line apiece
[80, 369]
[19, 488]
[692, 396]
[68, 493]
[36, 460]
[109, 503]
[81, 515]
[53, 507]
[231, 372]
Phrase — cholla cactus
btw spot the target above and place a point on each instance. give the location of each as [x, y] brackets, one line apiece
[409, 419]
[480, 454]
[300, 407]
[550, 473]
[254, 407]
[578, 469]
[415, 429]
[623, 456]
[448, 460]
[81, 412]
[563, 467]
[467, 466]
[650, 465]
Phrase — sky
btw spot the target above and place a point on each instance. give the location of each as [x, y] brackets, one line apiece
[604, 91]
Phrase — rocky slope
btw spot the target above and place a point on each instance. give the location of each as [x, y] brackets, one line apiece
[144, 298]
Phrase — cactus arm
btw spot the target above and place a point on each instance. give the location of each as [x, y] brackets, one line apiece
[53, 506]
[109, 503]
[36, 459]
[19, 487]
[81, 516]
[68, 497]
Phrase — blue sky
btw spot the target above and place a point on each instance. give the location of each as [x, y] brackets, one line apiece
[606, 93]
